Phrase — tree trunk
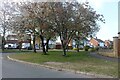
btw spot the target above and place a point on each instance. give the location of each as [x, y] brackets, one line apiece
[78, 45]
[64, 48]
[34, 44]
[64, 51]
[67, 48]
[30, 44]
[43, 48]
[43, 45]
[47, 45]
[20, 45]
[3, 43]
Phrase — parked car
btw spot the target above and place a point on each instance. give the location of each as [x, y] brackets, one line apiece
[10, 46]
[25, 45]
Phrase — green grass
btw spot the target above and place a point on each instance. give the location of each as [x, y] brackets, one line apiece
[77, 61]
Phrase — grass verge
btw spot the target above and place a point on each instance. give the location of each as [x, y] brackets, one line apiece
[108, 54]
[76, 61]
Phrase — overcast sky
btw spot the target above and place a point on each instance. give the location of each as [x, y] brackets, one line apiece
[109, 8]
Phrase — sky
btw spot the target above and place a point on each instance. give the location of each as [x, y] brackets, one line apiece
[109, 8]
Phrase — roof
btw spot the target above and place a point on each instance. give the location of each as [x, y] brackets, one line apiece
[12, 36]
[84, 38]
[16, 41]
[109, 41]
[99, 40]
[11, 41]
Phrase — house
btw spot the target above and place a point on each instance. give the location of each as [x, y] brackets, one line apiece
[52, 44]
[58, 46]
[108, 43]
[97, 42]
[11, 37]
[37, 43]
[12, 41]
[83, 42]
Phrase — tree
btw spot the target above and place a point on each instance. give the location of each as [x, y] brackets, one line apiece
[59, 18]
[33, 16]
[24, 20]
[69, 18]
[40, 12]
[5, 16]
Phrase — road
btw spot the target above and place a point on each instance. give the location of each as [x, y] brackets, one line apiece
[12, 69]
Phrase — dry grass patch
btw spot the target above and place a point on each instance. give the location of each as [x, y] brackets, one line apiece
[108, 54]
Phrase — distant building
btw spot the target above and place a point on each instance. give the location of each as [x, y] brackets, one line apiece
[58, 46]
[97, 42]
[12, 41]
[83, 42]
[11, 37]
[108, 43]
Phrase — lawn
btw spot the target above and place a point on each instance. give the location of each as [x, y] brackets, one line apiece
[75, 61]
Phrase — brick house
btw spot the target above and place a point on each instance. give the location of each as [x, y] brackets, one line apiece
[97, 42]
[108, 43]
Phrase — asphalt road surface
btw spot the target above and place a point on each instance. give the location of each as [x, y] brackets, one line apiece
[12, 69]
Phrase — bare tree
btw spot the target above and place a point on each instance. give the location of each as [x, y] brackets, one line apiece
[6, 10]
[69, 18]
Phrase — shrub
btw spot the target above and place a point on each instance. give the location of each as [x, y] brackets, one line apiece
[92, 49]
[30, 48]
[111, 47]
[86, 48]
[81, 48]
[96, 48]
[75, 48]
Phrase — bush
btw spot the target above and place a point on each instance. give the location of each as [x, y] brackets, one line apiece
[81, 48]
[94, 49]
[75, 48]
[86, 48]
[30, 48]
[111, 47]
